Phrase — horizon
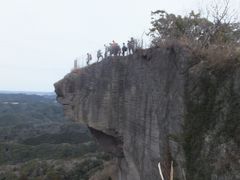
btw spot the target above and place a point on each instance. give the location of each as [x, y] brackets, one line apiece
[26, 92]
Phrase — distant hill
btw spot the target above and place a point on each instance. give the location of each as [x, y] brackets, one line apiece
[22, 109]
[28, 93]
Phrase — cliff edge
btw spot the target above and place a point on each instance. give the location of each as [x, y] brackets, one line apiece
[160, 105]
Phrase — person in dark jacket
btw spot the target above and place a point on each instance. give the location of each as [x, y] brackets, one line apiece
[131, 45]
[124, 49]
[89, 58]
[99, 55]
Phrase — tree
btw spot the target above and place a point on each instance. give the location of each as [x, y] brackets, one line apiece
[196, 29]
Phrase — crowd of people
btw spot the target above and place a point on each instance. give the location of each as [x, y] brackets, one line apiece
[114, 49]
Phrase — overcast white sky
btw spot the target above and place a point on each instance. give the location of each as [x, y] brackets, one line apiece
[39, 39]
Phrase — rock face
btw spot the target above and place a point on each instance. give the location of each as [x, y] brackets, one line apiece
[160, 105]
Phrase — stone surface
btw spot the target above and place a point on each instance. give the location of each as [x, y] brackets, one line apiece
[142, 109]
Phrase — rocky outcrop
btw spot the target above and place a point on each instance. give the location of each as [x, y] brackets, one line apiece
[160, 105]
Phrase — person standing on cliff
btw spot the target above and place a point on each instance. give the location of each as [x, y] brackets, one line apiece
[99, 55]
[131, 45]
[106, 50]
[124, 49]
[89, 58]
[114, 44]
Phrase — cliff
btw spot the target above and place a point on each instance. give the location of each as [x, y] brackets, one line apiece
[160, 105]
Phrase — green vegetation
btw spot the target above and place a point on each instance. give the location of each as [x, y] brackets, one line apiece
[195, 29]
[16, 153]
[22, 109]
[79, 168]
[37, 142]
[212, 116]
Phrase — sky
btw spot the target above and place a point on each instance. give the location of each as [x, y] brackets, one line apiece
[39, 39]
